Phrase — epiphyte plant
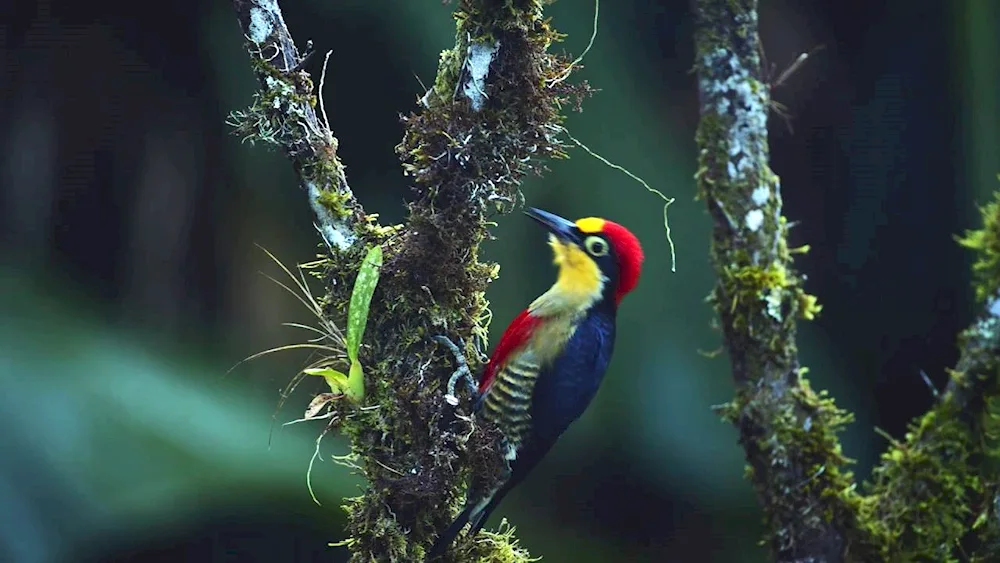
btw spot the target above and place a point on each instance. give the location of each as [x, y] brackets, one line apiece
[352, 385]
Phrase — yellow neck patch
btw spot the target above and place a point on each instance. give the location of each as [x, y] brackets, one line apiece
[579, 284]
[590, 225]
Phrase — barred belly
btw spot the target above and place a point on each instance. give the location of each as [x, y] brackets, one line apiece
[508, 403]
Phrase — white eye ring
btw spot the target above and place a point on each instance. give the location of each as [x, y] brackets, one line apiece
[596, 246]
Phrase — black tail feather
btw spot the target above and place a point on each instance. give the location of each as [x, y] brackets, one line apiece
[479, 520]
[469, 514]
[447, 536]
[525, 463]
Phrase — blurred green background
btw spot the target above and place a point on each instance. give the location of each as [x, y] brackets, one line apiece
[129, 279]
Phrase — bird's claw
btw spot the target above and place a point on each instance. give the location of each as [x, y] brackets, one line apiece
[462, 372]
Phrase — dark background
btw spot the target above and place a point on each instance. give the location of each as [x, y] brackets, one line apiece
[129, 278]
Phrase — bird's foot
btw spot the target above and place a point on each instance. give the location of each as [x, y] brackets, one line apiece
[462, 372]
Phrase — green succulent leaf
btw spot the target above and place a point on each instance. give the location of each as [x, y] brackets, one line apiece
[361, 298]
[338, 382]
[355, 389]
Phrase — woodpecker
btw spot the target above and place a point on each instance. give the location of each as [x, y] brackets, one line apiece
[551, 359]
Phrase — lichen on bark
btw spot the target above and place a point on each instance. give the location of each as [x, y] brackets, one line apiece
[934, 496]
[283, 114]
[492, 117]
[788, 430]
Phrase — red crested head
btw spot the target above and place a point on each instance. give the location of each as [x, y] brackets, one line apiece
[629, 253]
[591, 252]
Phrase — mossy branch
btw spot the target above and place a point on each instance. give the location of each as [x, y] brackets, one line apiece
[283, 114]
[931, 489]
[788, 430]
[492, 116]
[934, 496]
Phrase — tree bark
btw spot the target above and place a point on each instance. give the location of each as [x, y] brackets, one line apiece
[932, 487]
[492, 116]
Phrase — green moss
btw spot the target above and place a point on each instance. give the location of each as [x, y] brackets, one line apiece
[495, 547]
[765, 290]
[919, 508]
[449, 66]
[795, 460]
[275, 115]
[452, 151]
[986, 243]
[334, 202]
[278, 117]
[991, 431]
[789, 432]
[931, 488]
[934, 496]
[986, 527]
[465, 165]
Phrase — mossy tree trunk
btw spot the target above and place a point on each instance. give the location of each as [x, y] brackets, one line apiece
[934, 494]
[492, 117]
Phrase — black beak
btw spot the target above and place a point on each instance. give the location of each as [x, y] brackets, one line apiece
[564, 230]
